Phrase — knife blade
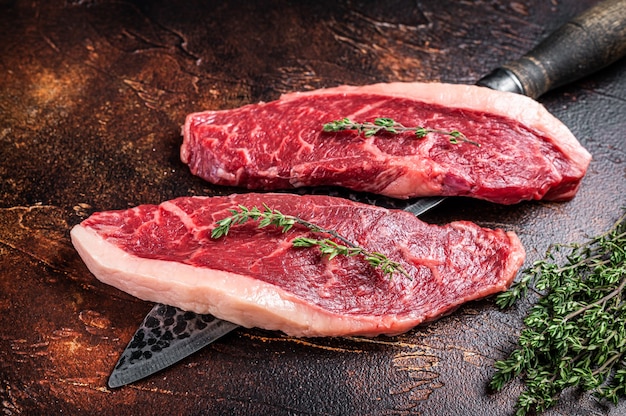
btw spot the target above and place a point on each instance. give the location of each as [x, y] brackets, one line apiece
[585, 44]
[166, 336]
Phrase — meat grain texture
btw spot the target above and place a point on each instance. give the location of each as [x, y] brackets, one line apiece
[525, 153]
[255, 278]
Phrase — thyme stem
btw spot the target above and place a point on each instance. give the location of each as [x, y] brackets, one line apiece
[268, 216]
[389, 125]
[597, 303]
[609, 363]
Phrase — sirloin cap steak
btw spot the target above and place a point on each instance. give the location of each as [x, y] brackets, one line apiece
[255, 278]
[525, 153]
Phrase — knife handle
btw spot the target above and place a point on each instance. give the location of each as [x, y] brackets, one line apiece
[585, 44]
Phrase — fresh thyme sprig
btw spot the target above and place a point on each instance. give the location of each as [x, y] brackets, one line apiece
[389, 125]
[575, 335]
[327, 246]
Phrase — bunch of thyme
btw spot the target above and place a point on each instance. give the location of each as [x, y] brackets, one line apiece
[389, 125]
[575, 335]
[327, 246]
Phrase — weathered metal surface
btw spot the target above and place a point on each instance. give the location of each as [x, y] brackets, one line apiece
[92, 96]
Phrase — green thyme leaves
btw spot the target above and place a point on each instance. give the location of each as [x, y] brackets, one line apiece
[242, 215]
[332, 249]
[575, 335]
[389, 125]
[328, 246]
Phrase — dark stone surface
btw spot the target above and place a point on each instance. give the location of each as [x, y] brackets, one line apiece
[92, 97]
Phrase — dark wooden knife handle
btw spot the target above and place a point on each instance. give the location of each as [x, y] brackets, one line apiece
[585, 44]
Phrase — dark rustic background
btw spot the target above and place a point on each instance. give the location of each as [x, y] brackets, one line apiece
[92, 97]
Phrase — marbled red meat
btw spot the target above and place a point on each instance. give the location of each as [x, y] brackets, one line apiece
[254, 277]
[525, 152]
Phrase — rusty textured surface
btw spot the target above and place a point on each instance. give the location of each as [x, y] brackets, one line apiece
[92, 96]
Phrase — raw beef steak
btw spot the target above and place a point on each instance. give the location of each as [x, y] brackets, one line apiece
[525, 152]
[255, 278]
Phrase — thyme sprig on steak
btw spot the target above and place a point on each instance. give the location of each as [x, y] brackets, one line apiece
[327, 246]
[575, 335]
[389, 125]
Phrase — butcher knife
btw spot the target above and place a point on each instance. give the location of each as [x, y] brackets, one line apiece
[587, 43]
